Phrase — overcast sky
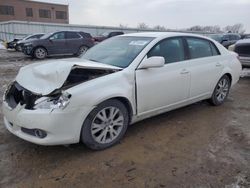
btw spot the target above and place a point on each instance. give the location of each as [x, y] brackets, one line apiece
[173, 14]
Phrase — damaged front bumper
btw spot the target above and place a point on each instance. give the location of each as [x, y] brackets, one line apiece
[45, 126]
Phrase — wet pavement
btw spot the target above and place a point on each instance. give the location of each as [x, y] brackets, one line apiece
[199, 146]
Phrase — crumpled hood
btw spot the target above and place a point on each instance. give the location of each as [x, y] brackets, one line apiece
[44, 77]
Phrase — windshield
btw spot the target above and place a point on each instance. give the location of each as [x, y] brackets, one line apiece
[117, 51]
[46, 36]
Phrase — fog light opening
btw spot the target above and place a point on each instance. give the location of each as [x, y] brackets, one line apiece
[40, 133]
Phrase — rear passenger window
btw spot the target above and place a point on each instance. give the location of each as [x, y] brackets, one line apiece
[199, 48]
[171, 49]
[72, 35]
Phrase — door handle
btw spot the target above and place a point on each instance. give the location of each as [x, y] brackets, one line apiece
[184, 71]
[218, 64]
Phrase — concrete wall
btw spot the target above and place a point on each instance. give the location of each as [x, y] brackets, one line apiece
[20, 11]
[19, 29]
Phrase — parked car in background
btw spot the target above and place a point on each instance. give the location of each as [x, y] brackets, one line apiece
[118, 82]
[245, 36]
[107, 35]
[59, 43]
[226, 39]
[242, 48]
[29, 38]
[12, 44]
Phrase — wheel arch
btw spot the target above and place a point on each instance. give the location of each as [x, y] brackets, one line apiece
[229, 76]
[124, 101]
[121, 99]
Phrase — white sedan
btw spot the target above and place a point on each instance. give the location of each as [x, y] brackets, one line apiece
[116, 83]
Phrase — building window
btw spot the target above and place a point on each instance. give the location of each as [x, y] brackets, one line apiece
[61, 15]
[29, 12]
[43, 13]
[6, 10]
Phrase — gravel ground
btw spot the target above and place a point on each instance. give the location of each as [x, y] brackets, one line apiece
[198, 146]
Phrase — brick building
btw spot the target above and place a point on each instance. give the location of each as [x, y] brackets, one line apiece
[33, 11]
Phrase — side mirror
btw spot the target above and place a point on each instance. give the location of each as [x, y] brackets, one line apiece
[152, 62]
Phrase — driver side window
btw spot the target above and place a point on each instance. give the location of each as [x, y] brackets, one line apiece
[58, 36]
[171, 49]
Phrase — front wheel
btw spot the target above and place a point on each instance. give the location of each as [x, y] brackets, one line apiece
[40, 53]
[221, 91]
[105, 125]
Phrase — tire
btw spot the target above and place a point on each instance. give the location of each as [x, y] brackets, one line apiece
[99, 132]
[18, 48]
[40, 53]
[82, 50]
[221, 91]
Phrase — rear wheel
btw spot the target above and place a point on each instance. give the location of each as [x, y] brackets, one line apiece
[105, 125]
[221, 91]
[82, 50]
[40, 53]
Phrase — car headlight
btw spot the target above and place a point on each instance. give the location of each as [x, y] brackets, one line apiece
[60, 102]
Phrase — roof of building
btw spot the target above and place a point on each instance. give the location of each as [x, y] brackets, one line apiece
[48, 3]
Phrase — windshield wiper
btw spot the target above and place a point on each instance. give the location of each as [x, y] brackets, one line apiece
[94, 60]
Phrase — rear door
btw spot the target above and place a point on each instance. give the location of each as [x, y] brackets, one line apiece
[158, 88]
[205, 66]
[56, 44]
[73, 41]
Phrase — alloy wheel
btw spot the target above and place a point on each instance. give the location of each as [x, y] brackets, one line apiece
[222, 90]
[107, 125]
[40, 53]
[83, 50]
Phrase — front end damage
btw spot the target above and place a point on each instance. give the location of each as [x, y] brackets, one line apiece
[43, 118]
[17, 94]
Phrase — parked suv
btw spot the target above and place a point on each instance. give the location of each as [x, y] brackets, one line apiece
[59, 43]
[226, 39]
[107, 35]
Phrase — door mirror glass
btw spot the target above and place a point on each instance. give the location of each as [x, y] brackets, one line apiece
[152, 62]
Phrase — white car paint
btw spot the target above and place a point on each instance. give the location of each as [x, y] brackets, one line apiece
[149, 91]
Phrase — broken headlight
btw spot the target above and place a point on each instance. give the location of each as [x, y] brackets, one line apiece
[60, 102]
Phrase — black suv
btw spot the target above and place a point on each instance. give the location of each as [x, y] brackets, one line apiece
[59, 43]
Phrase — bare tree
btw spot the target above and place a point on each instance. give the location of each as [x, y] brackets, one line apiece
[209, 29]
[159, 28]
[123, 26]
[236, 28]
[142, 26]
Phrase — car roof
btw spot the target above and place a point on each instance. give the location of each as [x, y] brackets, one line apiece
[244, 41]
[163, 34]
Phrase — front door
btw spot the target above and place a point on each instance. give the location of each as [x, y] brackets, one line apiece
[57, 44]
[159, 88]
